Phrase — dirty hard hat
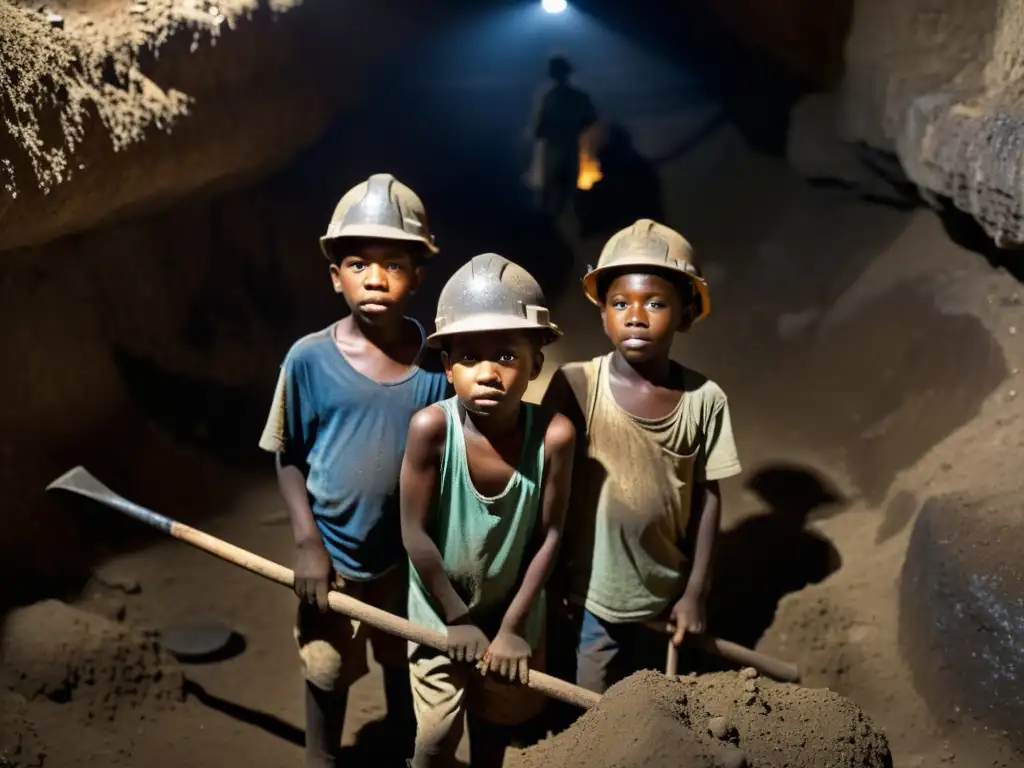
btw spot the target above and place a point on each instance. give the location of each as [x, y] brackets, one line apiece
[646, 244]
[381, 207]
[490, 293]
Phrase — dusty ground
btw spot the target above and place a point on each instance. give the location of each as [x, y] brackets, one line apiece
[870, 393]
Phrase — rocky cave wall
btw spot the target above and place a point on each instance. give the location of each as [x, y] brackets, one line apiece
[144, 305]
[938, 84]
[113, 109]
[133, 349]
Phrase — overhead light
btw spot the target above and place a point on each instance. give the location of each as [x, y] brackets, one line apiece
[554, 6]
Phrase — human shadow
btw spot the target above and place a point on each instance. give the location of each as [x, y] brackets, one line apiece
[275, 726]
[772, 554]
[375, 743]
[210, 416]
[629, 188]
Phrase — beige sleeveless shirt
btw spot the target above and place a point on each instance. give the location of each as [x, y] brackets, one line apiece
[626, 533]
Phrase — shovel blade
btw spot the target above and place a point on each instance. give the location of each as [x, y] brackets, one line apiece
[82, 482]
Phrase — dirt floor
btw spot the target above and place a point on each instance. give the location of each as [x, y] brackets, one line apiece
[887, 384]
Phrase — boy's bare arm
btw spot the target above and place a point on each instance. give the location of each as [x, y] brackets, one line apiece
[559, 441]
[420, 469]
[560, 398]
[689, 613]
[509, 653]
[707, 532]
[312, 563]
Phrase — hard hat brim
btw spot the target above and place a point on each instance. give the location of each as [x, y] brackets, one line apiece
[376, 232]
[492, 323]
[655, 265]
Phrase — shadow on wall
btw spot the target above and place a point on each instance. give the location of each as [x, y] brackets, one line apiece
[964, 230]
[472, 209]
[772, 554]
[220, 420]
[629, 189]
[922, 374]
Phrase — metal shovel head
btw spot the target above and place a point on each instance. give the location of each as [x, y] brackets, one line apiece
[196, 639]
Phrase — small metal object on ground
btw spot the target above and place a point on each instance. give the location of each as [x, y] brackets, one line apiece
[199, 640]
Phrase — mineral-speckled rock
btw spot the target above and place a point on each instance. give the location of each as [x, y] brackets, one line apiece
[962, 610]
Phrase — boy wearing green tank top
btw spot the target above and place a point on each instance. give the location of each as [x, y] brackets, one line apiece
[655, 439]
[484, 489]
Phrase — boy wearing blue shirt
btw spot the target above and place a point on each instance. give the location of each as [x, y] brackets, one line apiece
[338, 425]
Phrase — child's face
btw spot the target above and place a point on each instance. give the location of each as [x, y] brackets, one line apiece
[377, 278]
[490, 371]
[641, 315]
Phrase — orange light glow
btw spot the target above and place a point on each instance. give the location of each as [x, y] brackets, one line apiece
[590, 171]
[590, 166]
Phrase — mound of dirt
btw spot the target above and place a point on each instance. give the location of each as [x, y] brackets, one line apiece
[722, 720]
[66, 654]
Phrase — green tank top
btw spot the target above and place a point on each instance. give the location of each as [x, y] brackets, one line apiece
[485, 542]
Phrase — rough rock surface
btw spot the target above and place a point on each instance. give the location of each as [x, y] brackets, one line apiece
[939, 82]
[110, 108]
[722, 720]
[963, 570]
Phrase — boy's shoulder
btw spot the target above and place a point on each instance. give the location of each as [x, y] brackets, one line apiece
[699, 388]
[428, 429]
[571, 384]
[582, 373]
[580, 369]
[309, 346]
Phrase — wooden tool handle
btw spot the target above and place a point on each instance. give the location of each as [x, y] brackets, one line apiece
[672, 660]
[81, 482]
[777, 669]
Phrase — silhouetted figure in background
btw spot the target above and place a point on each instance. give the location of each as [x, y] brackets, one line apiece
[629, 188]
[561, 114]
[768, 556]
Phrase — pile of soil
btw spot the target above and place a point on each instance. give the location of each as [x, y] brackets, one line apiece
[721, 720]
[65, 654]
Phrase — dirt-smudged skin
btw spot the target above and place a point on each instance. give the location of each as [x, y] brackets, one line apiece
[721, 720]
